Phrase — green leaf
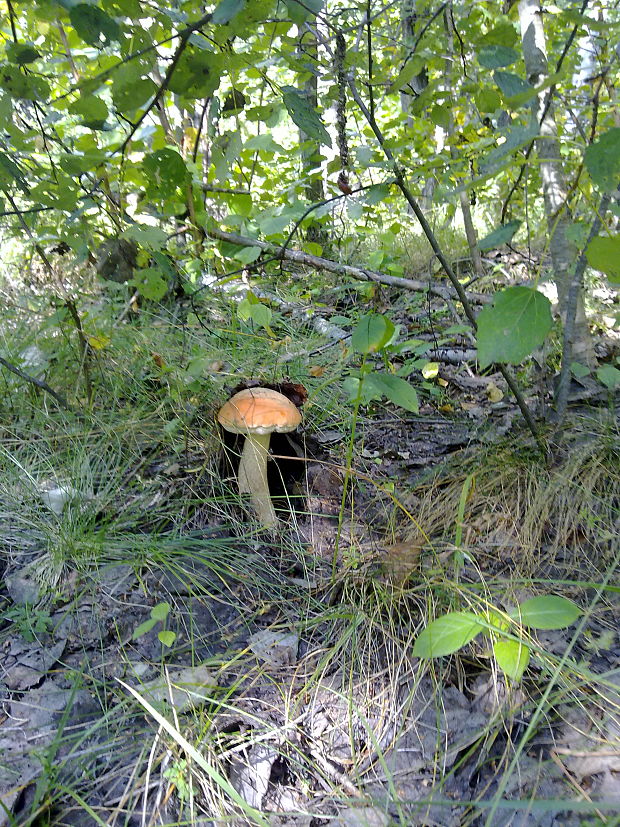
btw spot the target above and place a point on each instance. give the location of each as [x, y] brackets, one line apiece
[150, 283]
[516, 136]
[609, 376]
[28, 87]
[160, 611]
[167, 637]
[197, 74]
[143, 628]
[93, 25]
[602, 160]
[447, 634]
[500, 235]
[548, 611]
[604, 254]
[264, 142]
[153, 238]
[248, 254]
[488, 100]
[91, 110]
[130, 95]
[250, 308]
[226, 10]
[512, 86]
[512, 657]
[21, 53]
[372, 333]
[9, 172]
[514, 326]
[304, 115]
[494, 56]
[300, 12]
[410, 70]
[377, 193]
[397, 390]
[165, 170]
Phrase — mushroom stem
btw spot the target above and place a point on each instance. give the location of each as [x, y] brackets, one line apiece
[252, 477]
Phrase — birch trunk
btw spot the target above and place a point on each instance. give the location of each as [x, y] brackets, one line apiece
[563, 256]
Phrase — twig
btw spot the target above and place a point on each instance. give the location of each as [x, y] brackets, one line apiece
[39, 383]
[184, 37]
[458, 287]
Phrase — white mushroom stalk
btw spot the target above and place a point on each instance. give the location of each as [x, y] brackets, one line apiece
[252, 476]
[257, 413]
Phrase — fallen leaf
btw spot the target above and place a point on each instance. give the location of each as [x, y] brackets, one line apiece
[494, 394]
[317, 371]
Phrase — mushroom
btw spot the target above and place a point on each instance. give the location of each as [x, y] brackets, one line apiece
[257, 413]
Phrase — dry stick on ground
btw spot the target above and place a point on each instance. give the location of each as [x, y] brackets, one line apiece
[458, 287]
[358, 273]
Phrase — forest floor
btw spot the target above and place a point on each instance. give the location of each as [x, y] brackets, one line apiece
[278, 668]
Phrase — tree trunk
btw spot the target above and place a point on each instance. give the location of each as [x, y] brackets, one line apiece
[470, 231]
[554, 187]
[311, 157]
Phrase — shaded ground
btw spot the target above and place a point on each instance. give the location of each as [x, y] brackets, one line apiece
[281, 706]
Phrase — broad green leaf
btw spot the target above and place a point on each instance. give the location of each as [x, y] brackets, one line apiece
[166, 637]
[21, 53]
[153, 238]
[91, 110]
[512, 657]
[397, 390]
[165, 170]
[19, 85]
[609, 376]
[150, 283]
[602, 160]
[488, 100]
[518, 135]
[143, 628]
[494, 56]
[503, 34]
[516, 324]
[511, 85]
[261, 315]
[264, 142]
[197, 74]
[500, 235]
[274, 224]
[78, 163]
[304, 115]
[299, 12]
[9, 172]
[93, 25]
[160, 611]
[226, 10]
[410, 70]
[248, 254]
[548, 611]
[372, 333]
[604, 254]
[131, 95]
[377, 193]
[447, 634]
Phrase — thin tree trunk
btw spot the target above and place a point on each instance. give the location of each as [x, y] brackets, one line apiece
[553, 181]
[470, 231]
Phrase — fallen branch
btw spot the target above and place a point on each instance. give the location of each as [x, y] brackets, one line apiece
[357, 273]
[39, 383]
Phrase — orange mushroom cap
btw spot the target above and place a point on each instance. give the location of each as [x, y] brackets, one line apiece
[259, 411]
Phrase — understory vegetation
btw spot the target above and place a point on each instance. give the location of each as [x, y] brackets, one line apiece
[402, 218]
